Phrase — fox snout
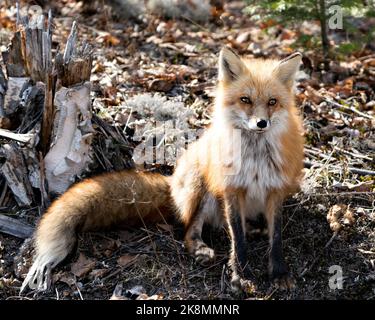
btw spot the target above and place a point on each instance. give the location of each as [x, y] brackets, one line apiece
[259, 124]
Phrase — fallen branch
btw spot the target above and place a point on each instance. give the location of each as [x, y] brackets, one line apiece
[352, 154]
[15, 173]
[15, 227]
[351, 108]
[320, 154]
[28, 138]
[362, 172]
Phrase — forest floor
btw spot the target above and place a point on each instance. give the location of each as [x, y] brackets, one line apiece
[176, 59]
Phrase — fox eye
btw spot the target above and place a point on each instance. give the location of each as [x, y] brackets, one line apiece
[245, 100]
[272, 102]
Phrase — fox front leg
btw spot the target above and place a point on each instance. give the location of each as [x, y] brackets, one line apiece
[238, 258]
[278, 269]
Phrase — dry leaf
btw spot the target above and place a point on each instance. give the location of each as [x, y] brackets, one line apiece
[334, 215]
[144, 296]
[82, 266]
[117, 293]
[64, 277]
[340, 215]
[98, 273]
[109, 40]
[126, 260]
[165, 227]
[349, 217]
[163, 85]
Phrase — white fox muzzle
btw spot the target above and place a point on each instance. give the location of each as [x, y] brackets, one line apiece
[258, 124]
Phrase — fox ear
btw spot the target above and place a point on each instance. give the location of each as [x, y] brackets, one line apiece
[230, 65]
[288, 67]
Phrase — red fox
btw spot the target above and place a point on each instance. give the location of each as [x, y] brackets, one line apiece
[245, 164]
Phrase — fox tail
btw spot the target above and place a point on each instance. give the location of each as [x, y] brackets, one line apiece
[128, 197]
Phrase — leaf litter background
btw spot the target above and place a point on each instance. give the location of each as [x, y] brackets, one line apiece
[153, 69]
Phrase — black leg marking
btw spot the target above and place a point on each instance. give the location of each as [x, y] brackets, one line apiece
[238, 259]
[279, 270]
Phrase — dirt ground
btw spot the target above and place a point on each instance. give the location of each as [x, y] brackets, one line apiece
[177, 59]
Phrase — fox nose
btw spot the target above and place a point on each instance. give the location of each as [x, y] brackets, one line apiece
[262, 124]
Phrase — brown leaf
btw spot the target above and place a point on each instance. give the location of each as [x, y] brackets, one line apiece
[340, 215]
[64, 277]
[349, 217]
[144, 296]
[334, 215]
[127, 260]
[108, 40]
[163, 85]
[98, 273]
[165, 227]
[117, 293]
[82, 266]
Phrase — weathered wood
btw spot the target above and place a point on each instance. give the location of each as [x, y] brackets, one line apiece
[52, 147]
[72, 128]
[69, 154]
[45, 200]
[3, 89]
[48, 114]
[14, 58]
[31, 108]
[74, 66]
[28, 138]
[48, 110]
[22, 105]
[15, 172]
[38, 43]
[13, 94]
[15, 227]
[4, 120]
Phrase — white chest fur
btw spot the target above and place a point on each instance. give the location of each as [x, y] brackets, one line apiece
[258, 161]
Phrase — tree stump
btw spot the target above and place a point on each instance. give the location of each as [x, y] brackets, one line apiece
[45, 114]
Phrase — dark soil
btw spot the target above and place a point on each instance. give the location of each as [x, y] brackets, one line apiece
[155, 258]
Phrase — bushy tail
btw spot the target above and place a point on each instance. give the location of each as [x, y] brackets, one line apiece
[129, 197]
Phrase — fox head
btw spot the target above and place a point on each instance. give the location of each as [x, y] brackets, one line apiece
[256, 95]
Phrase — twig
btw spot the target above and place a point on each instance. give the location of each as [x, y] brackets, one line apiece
[363, 172]
[195, 23]
[79, 291]
[319, 153]
[351, 108]
[27, 138]
[366, 57]
[330, 240]
[359, 156]
[366, 251]
[353, 193]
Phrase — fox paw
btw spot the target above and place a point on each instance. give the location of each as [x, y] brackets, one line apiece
[204, 256]
[284, 281]
[240, 285]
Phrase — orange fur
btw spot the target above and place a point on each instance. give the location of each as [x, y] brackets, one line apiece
[209, 173]
[105, 200]
[127, 197]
